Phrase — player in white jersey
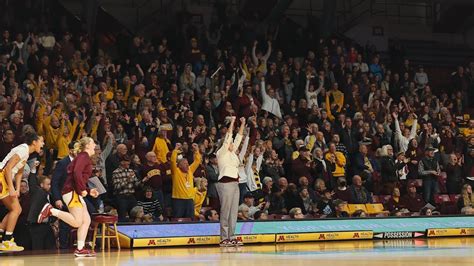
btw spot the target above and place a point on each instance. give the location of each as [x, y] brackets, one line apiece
[10, 179]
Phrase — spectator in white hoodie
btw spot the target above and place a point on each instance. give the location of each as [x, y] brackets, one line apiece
[270, 101]
[404, 139]
[421, 78]
[312, 93]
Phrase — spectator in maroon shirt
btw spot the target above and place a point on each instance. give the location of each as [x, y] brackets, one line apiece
[319, 187]
[341, 191]
[151, 170]
[447, 144]
[243, 104]
[414, 155]
[394, 203]
[412, 201]
[301, 166]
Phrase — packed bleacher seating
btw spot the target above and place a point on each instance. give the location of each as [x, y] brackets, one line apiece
[333, 130]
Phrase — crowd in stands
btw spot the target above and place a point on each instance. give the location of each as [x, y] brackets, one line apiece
[329, 123]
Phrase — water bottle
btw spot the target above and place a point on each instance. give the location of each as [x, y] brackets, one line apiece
[101, 207]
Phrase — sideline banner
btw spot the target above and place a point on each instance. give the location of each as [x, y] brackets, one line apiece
[198, 240]
[207, 233]
[398, 235]
[436, 232]
[175, 241]
[325, 236]
[377, 225]
[250, 239]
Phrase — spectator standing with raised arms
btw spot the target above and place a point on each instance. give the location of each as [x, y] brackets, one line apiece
[228, 186]
[183, 181]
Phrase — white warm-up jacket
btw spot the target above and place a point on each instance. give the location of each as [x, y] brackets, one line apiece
[228, 162]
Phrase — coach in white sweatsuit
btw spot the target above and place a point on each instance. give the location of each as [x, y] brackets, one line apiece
[228, 183]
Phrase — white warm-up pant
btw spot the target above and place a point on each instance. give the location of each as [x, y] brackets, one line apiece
[229, 198]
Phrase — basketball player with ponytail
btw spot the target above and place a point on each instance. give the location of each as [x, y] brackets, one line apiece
[75, 189]
[10, 179]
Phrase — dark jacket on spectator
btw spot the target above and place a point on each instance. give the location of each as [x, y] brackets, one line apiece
[360, 195]
[277, 204]
[344, 195]
[412, 203]
[388, 169]
[38, 199]
[349, 138]
[273, 171]
[413, 155]
[212, 178]
[59, 177]
[392, 205]
[359, 164]
[299, 169]
[325, 173]
[454, 178]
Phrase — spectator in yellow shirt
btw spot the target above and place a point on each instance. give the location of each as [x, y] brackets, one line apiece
[104, 93]
[337, 159]
[469, 130]
[66, 136]
[334, 101]
[200, 195]
[161, 147]
[182, 175]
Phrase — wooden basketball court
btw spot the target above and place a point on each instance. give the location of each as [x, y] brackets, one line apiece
[440, 251]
